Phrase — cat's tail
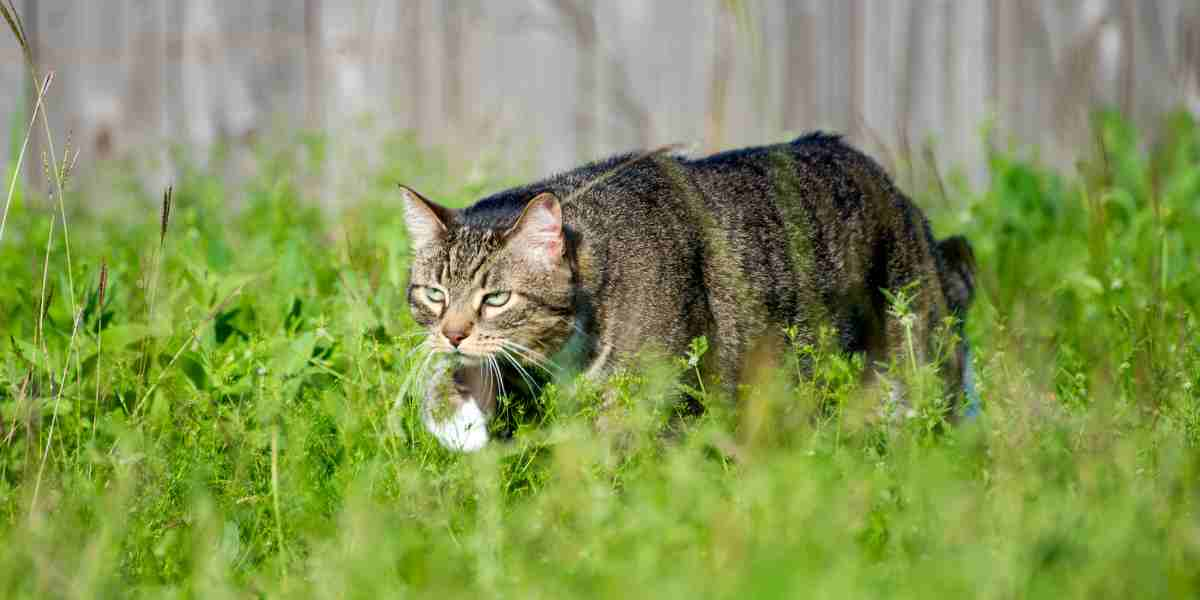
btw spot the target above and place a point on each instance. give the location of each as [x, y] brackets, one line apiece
[958, 260]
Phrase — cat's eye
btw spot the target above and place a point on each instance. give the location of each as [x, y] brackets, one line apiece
[435, 295]
[497, 298]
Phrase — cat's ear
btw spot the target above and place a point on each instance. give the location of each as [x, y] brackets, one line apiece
[538, 233]
[426, 221]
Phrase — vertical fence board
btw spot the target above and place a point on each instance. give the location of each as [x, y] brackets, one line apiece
[13, 110]
[577, 79]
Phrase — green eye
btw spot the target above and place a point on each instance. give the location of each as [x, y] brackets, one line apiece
[434, 295]
[497, 298]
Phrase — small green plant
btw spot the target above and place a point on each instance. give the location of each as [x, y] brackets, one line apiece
[697, 348]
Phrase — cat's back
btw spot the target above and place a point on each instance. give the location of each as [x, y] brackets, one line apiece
[622, 190]
[814, 203]
[817, 167]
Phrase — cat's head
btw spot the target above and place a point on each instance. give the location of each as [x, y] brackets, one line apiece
[490, 291]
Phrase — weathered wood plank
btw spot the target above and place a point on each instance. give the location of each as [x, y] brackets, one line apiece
[13, 110]
[577, 79]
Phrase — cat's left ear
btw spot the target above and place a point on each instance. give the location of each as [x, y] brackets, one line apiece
[538, 233]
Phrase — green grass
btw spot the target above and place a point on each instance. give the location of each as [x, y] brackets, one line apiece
[222, 425]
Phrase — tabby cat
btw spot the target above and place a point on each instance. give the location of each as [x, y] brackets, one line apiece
[645, 252]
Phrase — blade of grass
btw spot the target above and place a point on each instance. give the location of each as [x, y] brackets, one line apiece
[60, 175]
[103, 287]
[20, 396]
[37, 332]
[62, 383]
[16, 174]
[275, 499]
[17, 26]
[156, 267]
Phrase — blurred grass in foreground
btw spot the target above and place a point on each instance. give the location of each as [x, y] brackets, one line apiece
[222, 423]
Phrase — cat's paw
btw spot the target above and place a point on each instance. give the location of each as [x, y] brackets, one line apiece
[464, 430]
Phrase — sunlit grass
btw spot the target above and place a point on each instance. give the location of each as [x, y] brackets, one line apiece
[241, 437]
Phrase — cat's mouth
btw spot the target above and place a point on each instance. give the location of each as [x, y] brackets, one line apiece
[477, 352]
[468, 358]
[470, 351]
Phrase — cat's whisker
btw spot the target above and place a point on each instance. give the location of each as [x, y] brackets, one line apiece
[485, 369]
[418, 341]
[485, 373]
[533, 386]
[418, 360]
[423, 345]
[428, 364]
[495, 368]
[541, 357]
[418, 374]
[406, 385]
[534, 357]
[517, 355]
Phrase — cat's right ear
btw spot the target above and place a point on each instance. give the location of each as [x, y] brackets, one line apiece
[426, 220]
[538, 232]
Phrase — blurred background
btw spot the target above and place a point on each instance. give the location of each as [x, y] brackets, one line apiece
[545, 84]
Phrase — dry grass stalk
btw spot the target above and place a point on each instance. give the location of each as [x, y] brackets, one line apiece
[62, 384]
[12, 184]
[167, 202]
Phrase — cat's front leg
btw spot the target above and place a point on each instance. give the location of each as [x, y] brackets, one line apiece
[609, 414]
[457, 406]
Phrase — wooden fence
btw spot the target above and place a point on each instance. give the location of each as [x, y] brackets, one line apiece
[579, 79]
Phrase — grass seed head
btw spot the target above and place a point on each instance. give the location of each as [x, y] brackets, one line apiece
[166, 214]
[103, 283]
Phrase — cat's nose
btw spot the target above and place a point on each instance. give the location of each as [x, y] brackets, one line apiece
[455, 336]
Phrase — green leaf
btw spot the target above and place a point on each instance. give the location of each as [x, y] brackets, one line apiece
[192, 366]
[293, 356]
[120, 336]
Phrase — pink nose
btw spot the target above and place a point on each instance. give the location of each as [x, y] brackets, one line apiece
[455, 337]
